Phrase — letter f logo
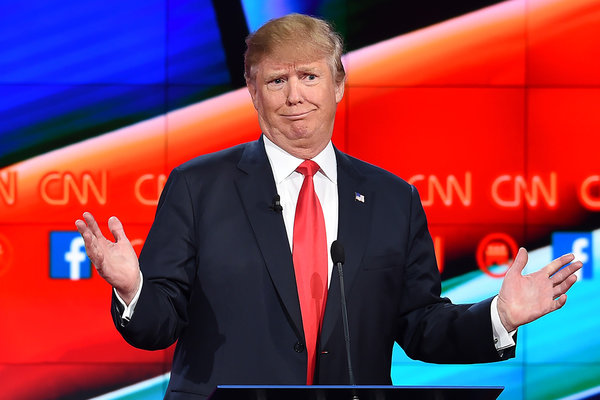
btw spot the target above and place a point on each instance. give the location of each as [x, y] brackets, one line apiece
[75, 256]
[67, 256]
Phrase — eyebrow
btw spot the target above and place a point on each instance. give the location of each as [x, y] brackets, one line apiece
[284, 71]
[275, 74]
[309, 70]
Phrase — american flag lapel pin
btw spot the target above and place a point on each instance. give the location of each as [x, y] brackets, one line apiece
[359, 197]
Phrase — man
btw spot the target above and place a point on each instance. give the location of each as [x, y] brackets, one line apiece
[224, 270]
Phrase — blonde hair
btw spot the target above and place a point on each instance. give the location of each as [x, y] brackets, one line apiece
[296, 31]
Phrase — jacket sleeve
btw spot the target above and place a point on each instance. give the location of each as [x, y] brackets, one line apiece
[430, 328]
[167, 262]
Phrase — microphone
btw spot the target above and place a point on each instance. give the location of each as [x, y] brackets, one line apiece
[337, 253]
[338, 257]
[276, 205]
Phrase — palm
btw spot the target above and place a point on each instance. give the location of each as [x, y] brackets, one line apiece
[525, 298]
[113, 255]
[116, 262]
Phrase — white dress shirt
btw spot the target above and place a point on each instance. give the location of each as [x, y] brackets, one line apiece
[289, 182]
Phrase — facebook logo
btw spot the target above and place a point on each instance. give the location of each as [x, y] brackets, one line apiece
[578, 243]
[67, 256]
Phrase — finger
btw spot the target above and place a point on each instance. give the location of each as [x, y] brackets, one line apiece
[520, 261]
[558, 263]
[558, 303]
[85, 233]
[93, 249]
[564, 287]
[565, 272]
[116, 228]
[81, 226]
[93, 225]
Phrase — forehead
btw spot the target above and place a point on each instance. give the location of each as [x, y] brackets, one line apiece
[271, 65]
[293, 56]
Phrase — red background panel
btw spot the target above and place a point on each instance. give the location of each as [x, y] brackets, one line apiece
[562, 42]
[52, 188]
[442, 132]
[458, 244]
[563, 137]
[73, 317]
[58, 333]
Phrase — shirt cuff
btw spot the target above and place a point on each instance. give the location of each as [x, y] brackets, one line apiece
[128, 309]
[502, 338]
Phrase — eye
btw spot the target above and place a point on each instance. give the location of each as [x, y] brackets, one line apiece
[276, 83]
[311, 79]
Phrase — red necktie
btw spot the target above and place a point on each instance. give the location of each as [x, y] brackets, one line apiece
[310, 261]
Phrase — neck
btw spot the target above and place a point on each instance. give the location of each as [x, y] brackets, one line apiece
[298, 149]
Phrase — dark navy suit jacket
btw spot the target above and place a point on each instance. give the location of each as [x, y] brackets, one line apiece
[219, 280]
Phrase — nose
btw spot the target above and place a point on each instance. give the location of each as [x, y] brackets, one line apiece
[294, 94]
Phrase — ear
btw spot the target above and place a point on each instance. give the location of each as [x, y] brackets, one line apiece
[339, 90]
[251, 85]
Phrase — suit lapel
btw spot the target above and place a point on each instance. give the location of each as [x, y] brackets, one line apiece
[353, 228]
[256, 189]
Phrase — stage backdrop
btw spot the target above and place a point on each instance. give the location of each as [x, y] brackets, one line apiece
[491, 108]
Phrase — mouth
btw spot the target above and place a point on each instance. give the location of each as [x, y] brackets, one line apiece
[296, 115]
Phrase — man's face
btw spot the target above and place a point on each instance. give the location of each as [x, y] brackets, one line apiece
[296, 103]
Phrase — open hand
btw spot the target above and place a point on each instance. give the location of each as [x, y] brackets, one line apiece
[116, 261]
[525, 298]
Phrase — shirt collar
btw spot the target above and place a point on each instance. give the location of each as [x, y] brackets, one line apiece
[284, 164]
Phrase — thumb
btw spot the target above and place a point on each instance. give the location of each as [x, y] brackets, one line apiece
[520, 261]
[116, 228]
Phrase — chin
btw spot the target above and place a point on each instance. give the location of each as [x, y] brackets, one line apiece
[301, 131]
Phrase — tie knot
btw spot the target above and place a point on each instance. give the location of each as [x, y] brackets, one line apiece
[308, 168]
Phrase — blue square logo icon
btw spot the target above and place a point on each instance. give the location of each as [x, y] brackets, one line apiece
[67, 256]
[578, 243]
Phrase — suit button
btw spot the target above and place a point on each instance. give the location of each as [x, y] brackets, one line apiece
[299, 347]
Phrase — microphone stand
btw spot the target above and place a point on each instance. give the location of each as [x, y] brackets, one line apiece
[337, 254]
